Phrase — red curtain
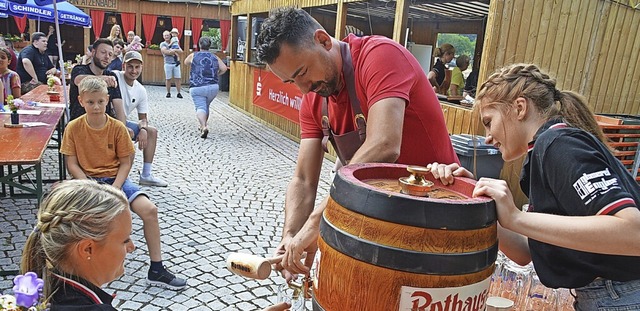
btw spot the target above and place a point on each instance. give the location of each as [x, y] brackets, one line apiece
[225, 27]
[128, 23]
[196, 31]
[97, 21]
[21, 22]
[149, 25]
[178, 22]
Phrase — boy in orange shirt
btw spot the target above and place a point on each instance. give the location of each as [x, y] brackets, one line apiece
[109, 161]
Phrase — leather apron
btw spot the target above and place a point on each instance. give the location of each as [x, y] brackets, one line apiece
[345, 144]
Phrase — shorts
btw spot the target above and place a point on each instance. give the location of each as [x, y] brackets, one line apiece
[172, 71]
[135, 128]
[130, 189]
[604, 295]
[203, 96]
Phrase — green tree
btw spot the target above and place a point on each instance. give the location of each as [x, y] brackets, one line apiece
[462, 42]
[214, 34]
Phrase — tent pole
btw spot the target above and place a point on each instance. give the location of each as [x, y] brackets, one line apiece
[61, 60]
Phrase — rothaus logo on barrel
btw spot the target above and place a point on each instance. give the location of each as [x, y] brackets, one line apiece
[466, 298]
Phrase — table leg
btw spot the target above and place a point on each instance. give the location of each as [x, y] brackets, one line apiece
[39, 189]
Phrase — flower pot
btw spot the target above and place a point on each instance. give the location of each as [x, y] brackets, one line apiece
[54, 96]
[15, 118]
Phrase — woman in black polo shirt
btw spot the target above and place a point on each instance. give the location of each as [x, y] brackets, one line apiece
[79, 244]
[582, 229]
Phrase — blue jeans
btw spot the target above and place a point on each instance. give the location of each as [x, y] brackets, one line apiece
[607, 295]
[203, 96]
[130, 189]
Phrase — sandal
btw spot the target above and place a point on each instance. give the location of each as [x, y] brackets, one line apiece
[204, 133]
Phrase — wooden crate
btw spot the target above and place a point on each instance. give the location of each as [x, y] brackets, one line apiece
[625, 142]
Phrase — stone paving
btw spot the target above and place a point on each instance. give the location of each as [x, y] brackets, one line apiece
[226, 194]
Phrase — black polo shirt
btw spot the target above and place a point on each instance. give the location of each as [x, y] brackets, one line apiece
[439, 69]
[74, 106]
[40, 61]
[570, 172]
[75, 293]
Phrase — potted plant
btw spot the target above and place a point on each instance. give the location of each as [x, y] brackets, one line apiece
[153, 49]
[14, 105]
[54, 95]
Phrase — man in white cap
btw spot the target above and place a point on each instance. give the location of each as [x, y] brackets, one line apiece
[134, 96]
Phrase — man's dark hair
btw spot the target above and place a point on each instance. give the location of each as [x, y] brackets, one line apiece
[288, 25]
[119, 42]
[37, 36]
[102, 41]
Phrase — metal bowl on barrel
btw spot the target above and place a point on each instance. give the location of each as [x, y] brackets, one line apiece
[381, 249]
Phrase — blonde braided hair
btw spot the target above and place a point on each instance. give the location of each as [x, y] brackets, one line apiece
[526, 80]
[73, 211]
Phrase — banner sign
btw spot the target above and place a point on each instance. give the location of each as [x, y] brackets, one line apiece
[95, 4]
[283, 99]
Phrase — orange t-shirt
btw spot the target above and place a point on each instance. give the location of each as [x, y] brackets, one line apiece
[98, 150]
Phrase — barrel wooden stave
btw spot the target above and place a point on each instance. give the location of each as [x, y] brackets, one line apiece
[409, 237]
[346, 284]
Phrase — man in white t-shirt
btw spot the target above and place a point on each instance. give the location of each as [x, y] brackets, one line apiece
[134, 96]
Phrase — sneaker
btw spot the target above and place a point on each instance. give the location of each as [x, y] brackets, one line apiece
[165, 279]
[152, 181]
[168, 95]
[179, 95]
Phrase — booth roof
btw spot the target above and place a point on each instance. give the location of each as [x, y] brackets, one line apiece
[207, 2]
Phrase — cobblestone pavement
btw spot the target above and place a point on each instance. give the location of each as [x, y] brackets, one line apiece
[225, 194]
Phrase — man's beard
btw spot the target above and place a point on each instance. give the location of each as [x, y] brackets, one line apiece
[328, 87]
[330, 84]
[96, 61]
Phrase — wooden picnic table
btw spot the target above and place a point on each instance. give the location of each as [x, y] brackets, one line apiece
[23, 147]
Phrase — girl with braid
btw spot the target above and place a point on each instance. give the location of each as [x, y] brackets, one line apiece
[582, 227]
[79, 244]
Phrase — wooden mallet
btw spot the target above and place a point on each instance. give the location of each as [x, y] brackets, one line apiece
[251, 266]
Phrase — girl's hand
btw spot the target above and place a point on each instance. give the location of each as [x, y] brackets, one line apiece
[447, 172]
[499, 191]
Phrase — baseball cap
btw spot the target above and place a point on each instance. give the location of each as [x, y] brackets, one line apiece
[175, 30]
[131, 55]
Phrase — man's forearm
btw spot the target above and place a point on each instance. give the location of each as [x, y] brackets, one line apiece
[28, 67]
[118, 106]
[142, 120]
[298, 206]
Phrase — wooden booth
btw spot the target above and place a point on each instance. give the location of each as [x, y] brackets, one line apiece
[591, 47]
[148, 19]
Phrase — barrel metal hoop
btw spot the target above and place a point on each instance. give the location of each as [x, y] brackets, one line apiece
[406, 260]
[316, 305]
[431, 214]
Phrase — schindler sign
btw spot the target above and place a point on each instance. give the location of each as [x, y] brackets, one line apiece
[95, 4]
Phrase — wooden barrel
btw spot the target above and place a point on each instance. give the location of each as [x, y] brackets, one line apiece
[384, 250]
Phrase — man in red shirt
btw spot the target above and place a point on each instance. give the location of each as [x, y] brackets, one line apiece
[404, 121]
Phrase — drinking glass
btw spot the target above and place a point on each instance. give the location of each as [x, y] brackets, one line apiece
[516, 280]
[540, 297]
[565, 300]
[292, 296]
[496, 277]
